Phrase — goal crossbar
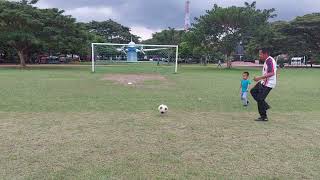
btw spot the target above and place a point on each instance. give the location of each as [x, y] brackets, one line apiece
[138, 45]
[144, 45]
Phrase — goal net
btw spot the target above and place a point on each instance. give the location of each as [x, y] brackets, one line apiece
[110, 53]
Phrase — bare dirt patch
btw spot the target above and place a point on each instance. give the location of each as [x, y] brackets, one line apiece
[133, 79]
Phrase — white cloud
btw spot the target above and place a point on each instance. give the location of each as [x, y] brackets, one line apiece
[143, 32]
[43, 5]
[148, 16]
[86, 14]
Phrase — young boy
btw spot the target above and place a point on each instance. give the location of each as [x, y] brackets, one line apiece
[244, 88]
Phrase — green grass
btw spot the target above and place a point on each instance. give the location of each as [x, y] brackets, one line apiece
[67, 123]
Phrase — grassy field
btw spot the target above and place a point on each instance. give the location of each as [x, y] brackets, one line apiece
[67, 123]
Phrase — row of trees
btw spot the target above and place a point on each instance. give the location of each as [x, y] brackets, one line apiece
[219, 30]
[26, 30]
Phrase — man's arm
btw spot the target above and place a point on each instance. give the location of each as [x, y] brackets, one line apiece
[269, 74]
[259, 78]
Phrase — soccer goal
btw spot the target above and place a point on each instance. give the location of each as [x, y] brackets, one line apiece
[110, 53]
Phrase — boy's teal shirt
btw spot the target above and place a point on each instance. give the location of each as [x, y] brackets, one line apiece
[245, 84]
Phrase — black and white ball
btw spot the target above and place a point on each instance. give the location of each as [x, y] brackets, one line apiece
[163, 109]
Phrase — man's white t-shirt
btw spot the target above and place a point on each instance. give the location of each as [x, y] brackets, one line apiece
[270, 65]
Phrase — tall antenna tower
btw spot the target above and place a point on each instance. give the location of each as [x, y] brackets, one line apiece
[187, 23]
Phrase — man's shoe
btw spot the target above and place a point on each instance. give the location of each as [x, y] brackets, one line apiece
[262, 119]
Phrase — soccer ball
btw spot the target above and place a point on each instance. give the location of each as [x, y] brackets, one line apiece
[163, 109]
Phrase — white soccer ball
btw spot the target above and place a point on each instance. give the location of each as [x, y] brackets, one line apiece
[163, 109]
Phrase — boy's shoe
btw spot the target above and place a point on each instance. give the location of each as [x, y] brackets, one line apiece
[262, 119]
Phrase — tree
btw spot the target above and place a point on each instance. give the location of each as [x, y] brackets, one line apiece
[30, 2]
[18, 24]
[266, 37]
[222, 28]
[168, 36]
[299, 37]
[111, 31]
[62, 34]
[26, 28]
[198, 46]
[302, 35]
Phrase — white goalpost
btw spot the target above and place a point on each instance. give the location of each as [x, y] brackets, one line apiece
[105, 53]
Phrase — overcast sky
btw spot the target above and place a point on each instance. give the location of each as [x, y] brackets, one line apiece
[145, 17]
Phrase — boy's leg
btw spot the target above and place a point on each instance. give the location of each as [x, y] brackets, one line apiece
[247, 99]
[241, 97]
[244, 98]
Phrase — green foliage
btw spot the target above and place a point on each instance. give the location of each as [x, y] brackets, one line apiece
[26, 2]
[303, 34]
[27, 28]
[62, 34]
[265, 37]
[111, 32]
[299, 37]
[168, 36]
[220, 29]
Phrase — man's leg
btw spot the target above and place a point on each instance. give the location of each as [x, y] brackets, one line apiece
[255, 91]
[262, 105]
[262, 109]
[267, 105]
[259, 93]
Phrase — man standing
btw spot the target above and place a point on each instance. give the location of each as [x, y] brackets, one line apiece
[219, 64]
[265, 84]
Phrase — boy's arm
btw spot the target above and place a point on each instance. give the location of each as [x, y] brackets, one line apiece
[249, 86]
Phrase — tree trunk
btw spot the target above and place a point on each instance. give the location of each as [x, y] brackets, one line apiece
[206, 60]
[22, 58]
[26, 58]
[229, 62]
